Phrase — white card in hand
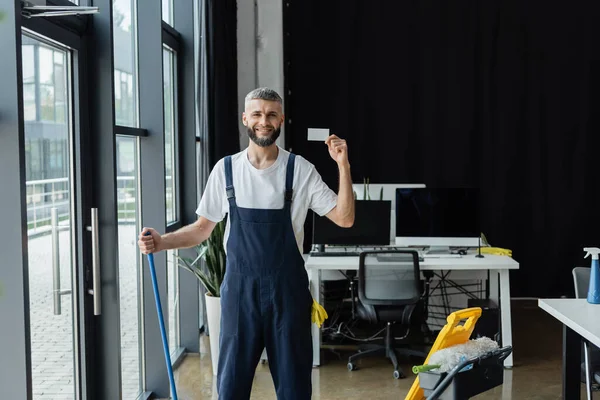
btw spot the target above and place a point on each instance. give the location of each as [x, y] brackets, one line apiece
[316, 134]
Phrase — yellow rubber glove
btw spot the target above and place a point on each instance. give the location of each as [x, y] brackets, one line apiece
[498, 251]
[318, 313]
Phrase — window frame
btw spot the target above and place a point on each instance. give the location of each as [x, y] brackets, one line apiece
[171, 39]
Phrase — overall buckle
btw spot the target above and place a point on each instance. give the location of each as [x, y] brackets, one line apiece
[230, 192]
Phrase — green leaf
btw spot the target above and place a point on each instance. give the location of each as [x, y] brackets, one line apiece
[188, 268]
[208, 284]
[187, 264]
[202, 252]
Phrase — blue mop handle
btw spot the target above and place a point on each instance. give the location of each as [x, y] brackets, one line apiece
[161, 321]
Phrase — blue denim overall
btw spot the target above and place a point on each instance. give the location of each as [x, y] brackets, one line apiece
[265, 301]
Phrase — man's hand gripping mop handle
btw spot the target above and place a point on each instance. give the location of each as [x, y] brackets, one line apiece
[161, 322]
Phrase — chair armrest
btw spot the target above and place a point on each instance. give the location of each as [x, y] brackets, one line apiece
[425, 296]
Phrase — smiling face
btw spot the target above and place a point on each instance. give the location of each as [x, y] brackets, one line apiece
[263, 118]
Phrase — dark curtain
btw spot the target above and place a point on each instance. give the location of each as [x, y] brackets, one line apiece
[221, 43]
[501, 95]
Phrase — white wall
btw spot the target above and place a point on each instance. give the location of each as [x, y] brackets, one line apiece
[260, 52]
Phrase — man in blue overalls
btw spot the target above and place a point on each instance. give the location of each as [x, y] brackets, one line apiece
[265, 298]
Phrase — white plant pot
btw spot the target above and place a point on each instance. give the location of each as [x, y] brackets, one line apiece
[213, 313]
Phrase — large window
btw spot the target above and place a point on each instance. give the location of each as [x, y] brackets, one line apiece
[173, 296]
[30, 53]
[125, 53]
[45, 110]
[128, 202]
[50, 195]
[171, 134]
[129, 265]
[91, 106]
[46, 142]
[125, 106]
[171, 186]
[200, 96]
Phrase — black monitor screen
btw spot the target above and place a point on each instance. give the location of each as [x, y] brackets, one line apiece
[371, 226]
[437, 212]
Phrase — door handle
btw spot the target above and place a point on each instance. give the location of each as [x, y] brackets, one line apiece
[56, 291]
[96, 282]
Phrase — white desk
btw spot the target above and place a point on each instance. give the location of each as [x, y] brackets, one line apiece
[580, 319]
[499, 267]
[577, 314]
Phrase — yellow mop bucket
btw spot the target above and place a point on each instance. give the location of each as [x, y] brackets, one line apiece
[452, 334]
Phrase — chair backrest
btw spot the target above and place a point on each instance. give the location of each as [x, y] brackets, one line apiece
[389, 278]
[581, 279]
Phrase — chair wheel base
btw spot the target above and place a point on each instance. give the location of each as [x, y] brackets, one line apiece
[398, 375]
[352, 367]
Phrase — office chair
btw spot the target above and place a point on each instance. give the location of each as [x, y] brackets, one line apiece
[389, 290]
[581, 279]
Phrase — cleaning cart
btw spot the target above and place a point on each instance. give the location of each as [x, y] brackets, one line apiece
[469, 377]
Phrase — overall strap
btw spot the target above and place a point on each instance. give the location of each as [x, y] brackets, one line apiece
[289, 179]
[229, 182]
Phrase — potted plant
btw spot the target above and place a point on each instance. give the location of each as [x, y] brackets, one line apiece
[210, 273]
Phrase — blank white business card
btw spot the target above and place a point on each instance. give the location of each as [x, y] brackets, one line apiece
[317, 134]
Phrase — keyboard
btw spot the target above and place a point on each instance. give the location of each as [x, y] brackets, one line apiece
[395, 258]
[334, 253]
[355, 252]
[442, 255]
[352, 251]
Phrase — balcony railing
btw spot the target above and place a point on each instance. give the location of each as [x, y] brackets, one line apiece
[45, 194]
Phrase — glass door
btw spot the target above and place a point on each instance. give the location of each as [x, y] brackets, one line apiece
[53, 225]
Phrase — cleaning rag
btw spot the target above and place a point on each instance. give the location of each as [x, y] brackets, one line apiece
[318, 313]
[497, 251]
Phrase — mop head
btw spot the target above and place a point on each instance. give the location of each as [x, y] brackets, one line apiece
[450, 357]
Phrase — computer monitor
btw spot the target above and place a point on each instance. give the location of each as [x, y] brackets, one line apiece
[437, 217]
[387, 191]
[371, 226]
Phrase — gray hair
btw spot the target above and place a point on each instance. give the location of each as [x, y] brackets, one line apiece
[263, 93]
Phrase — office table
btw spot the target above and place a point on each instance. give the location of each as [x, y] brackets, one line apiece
[498, 266]
[580, 319]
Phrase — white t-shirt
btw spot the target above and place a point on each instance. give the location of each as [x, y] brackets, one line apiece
[265, 189]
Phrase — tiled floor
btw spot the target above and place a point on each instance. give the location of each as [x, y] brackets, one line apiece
[536, 374]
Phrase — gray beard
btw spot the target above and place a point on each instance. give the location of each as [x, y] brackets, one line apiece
[264, 141]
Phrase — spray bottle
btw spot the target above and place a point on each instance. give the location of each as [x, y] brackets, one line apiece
[593, 296]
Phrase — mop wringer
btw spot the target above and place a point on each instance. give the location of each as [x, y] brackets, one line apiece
[457, 367]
